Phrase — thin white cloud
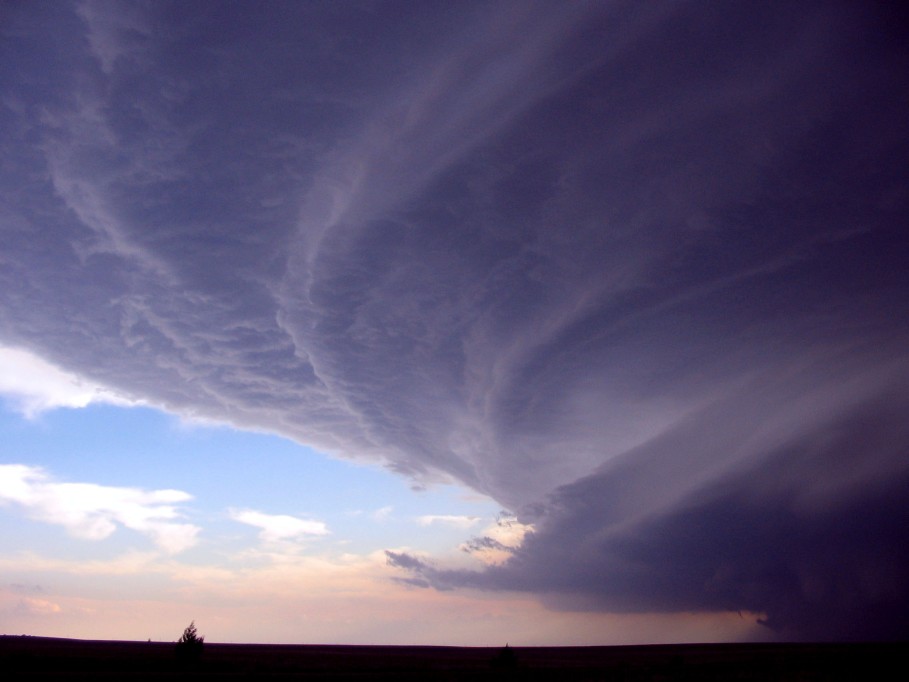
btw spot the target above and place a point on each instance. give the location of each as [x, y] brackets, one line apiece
[448, 520]
[277, 528]
[92, 511]
[33, 385]
[382, 513]
[37, 607]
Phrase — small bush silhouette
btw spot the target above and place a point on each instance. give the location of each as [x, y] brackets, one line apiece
[189, 646]
[505, 658]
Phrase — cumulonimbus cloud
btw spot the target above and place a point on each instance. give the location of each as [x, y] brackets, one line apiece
[810, 532]
[607, 263]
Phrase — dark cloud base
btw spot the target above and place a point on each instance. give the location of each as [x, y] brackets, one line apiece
[793, 536]
[638, 271]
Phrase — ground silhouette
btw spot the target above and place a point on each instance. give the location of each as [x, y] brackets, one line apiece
[40, 658]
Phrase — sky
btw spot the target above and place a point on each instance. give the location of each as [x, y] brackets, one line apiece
[454, 322]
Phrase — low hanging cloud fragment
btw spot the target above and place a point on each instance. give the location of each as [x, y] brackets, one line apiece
[499, 541]
[636, 271]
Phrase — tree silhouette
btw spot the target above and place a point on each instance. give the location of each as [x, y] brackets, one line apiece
[189, 646]
[505, 658]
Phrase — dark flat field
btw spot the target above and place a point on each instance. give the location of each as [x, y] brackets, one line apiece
[41, 658]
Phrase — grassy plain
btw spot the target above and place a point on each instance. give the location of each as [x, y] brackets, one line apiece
[40, 658]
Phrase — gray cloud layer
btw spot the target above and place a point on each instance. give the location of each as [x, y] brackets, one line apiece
[638, 271]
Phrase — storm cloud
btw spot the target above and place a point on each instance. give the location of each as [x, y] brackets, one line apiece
[636, 271]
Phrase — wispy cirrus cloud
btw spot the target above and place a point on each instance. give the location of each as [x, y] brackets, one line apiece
[93, 512]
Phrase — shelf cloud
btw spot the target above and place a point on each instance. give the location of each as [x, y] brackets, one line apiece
[636, 271]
